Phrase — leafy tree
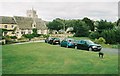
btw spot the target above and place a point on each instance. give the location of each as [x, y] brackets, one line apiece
[80, 29]
[111, 36]
[118, 22]
[35, 34]
[89, 23]
[104, 25]
[56, 24]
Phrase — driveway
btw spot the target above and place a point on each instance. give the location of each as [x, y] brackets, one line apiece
[109, 51]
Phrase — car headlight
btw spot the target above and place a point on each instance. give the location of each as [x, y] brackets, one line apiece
[94, 46]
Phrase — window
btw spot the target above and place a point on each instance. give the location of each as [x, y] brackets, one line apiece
[5, 26]
[22, 32]
[12, 26]
[29, 31]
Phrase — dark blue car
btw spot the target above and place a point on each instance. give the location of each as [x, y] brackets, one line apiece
[88, 45]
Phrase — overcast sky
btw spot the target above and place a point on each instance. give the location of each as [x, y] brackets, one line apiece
[69, 9]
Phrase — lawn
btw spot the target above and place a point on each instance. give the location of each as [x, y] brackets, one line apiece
[42, 58]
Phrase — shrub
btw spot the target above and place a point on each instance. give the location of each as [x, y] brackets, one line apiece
[46, 36]
[29, 36]
[13, 37]
[9, 40]
[94, 35]
[101, 40]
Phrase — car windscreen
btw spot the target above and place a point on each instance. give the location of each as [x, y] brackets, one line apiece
[56, 39]
[89, 42]
[70, 40]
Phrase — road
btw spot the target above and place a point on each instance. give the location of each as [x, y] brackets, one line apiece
[110, 51]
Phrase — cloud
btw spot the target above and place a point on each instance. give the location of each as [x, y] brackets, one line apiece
[66, 10]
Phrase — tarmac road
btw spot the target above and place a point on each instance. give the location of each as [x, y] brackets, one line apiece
[110, 51]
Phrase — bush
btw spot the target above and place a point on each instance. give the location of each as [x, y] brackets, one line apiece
[13, 37]
[29, 36]
[94, 35]
[9, 40]
[46, 36]
[109, 36]
[101, 40]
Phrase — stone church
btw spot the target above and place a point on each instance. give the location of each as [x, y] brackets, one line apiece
[19, 25]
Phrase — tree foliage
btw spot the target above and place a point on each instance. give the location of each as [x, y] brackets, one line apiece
[81, 29]
[89, 23]
[56, 24]
[104, 25]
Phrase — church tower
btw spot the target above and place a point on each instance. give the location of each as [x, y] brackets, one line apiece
[32, 13]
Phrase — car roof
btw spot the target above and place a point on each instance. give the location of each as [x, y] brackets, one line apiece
[69, 39]
[84, 40]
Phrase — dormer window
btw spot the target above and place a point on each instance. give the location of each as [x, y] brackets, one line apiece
[5, 26]
[12, 26]
[34, 25]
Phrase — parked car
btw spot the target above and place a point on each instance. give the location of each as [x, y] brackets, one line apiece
[68, 43]
[54, 41]
[88, 45]
[47, 39]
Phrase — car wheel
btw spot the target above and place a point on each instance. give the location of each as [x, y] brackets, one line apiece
[90, 49]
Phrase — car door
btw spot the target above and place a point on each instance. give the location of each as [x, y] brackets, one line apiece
[64, 43]
[84, 45]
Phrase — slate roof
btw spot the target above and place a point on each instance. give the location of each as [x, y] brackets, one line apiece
[7, 20]
[40, 24]
[26, 22]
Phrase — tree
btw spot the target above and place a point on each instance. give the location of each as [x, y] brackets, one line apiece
[56, 24]
[118, 22]
[104, 25]
[35, 34]
[81, 29]
[89, 23]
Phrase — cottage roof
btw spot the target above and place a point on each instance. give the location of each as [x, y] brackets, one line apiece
[40, 24]
[7, 20]
[26, 22]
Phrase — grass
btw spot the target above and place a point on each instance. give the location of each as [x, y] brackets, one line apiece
[42, 58]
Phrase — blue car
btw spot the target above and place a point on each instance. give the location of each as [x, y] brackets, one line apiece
[68, 43]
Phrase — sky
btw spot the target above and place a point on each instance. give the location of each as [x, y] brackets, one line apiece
[65, 9]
